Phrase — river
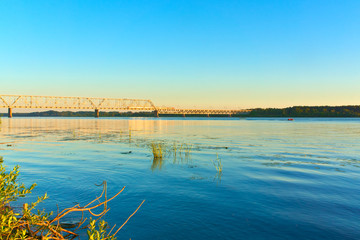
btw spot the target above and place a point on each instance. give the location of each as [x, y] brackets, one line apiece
[280, 179]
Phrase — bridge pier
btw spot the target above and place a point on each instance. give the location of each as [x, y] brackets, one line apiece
[156, 113]
[97, 113]
[184, 115]
[208, 115]
[10, 113]
[230, 115]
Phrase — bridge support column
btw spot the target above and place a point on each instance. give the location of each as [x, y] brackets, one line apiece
[97, 113]
[10, 113]
[184, 115]
[156, 113]
[208, 115]
[230, 115]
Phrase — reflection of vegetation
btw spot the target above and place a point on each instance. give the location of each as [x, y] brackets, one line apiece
[181, 151]
[157, 163]
[218, 176]
[29, 225]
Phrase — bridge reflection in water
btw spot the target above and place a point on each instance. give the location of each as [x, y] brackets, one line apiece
[88, 103]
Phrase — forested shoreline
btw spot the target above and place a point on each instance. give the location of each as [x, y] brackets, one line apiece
[296, 111]
[307, 111]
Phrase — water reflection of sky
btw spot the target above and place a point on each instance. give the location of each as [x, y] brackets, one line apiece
[280, 179]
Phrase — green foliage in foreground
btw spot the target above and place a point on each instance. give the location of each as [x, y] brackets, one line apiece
[26, 224]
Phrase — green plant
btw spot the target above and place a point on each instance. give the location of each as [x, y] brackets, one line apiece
[158, 150]
[182, 150]
[217, 163]
[39, 225]
[161, 150]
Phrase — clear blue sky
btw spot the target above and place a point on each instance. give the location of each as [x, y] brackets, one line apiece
[255, 53]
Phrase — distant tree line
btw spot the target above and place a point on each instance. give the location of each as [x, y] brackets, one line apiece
[297, 111]
[307, 111]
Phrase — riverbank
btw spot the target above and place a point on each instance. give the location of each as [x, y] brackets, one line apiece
[296, 111]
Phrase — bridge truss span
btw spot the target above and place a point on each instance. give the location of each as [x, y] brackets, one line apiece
[97, 104]
[24, 101]
[200, 111]
[80, 103]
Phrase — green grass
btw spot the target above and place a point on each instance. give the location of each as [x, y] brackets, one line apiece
[158, 150]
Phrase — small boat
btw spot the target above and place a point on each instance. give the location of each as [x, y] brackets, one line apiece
[290, 119]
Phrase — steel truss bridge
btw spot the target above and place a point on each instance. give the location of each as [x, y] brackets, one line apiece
[106, 104]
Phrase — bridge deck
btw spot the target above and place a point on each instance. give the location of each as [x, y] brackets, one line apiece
[87, 103]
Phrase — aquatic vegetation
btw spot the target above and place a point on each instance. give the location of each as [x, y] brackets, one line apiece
[41, 225]
[187, 150]
[217, 163]
[174, 150]
[158, 150]
[161, 150]
[182, 151]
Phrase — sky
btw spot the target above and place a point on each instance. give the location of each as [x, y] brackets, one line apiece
[179, 53]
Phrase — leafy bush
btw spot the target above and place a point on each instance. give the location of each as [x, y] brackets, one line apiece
[42, 225]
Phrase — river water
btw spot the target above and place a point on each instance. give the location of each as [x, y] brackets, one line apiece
[280, 179]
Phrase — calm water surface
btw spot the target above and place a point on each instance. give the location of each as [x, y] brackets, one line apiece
[280, 179]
